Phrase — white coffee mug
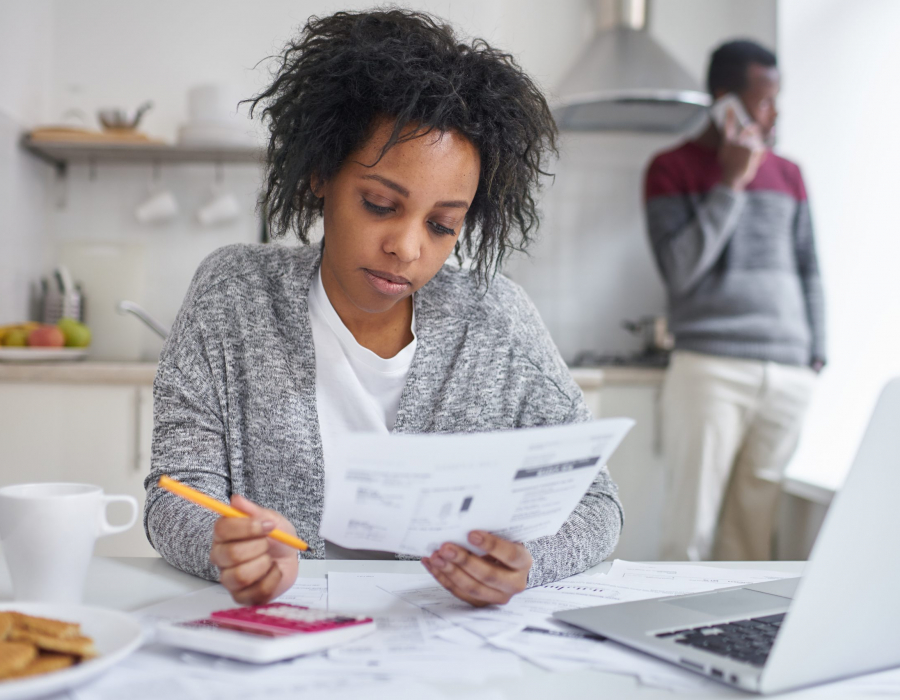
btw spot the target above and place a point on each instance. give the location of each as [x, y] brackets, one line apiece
[47, 534]
[160, 206]
[222, 208]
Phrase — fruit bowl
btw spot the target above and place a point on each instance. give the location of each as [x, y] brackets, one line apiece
[31, 341]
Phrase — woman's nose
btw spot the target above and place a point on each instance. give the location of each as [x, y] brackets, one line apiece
[404, 241]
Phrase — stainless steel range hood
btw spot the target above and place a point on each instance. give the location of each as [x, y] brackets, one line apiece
[625, 81]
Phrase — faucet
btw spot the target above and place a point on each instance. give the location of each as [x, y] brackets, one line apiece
[129, 307]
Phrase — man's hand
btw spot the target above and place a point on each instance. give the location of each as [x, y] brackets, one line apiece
[254, 568]
[489, 580]
[740, 153]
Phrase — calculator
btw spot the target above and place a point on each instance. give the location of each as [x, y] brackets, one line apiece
[265, 633]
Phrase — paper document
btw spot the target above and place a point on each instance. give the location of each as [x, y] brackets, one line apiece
[525, 627]
[411, 493]
[531, 608]
[406, 644]
[687, 578]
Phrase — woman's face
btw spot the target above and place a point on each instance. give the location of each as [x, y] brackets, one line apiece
[390, 227]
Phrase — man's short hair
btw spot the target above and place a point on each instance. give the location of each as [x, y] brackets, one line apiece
[728, 65]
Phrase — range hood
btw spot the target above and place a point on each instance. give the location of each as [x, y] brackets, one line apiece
[625, 81]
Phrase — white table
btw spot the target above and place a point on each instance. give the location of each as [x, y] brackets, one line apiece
[128, 583]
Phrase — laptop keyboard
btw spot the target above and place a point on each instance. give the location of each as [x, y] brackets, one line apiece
[745, 640]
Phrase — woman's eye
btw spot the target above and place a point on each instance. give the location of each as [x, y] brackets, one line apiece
[375, 209]
[442, 229]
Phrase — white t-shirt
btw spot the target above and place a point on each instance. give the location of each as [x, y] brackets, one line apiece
[356, 390]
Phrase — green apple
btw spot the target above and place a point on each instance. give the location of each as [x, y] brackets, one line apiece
[77, 334]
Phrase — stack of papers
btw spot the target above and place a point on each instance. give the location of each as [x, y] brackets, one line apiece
[525, 626]
[426, 635]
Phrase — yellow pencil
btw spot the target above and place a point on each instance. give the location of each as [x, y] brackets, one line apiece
[201, 499]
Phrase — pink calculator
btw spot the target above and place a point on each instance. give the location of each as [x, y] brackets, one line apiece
[265, 633]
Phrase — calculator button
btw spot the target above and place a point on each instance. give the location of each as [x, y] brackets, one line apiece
[283, 618]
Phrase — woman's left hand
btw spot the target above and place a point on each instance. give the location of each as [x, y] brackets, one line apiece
[489, 580]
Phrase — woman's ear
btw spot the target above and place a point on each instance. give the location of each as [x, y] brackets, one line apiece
[317, 186]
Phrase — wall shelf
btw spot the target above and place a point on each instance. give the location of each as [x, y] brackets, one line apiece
[60, 153]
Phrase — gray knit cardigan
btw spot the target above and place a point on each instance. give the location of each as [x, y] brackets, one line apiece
[235, 399]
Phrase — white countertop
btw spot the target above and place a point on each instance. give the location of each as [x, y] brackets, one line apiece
[142, 373]
[84, 372]
[597, 377]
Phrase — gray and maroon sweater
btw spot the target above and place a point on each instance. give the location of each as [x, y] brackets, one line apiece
[740, 267]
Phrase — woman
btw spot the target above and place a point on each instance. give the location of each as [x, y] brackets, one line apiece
[409, 145]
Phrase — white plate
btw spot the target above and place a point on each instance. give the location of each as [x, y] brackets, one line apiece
[115, 635]
[41, 354]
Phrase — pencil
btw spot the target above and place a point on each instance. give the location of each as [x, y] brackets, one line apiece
[201, 499]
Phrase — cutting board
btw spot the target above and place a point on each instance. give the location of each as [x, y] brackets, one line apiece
[67, 134]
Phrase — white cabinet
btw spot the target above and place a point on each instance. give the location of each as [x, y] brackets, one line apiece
[88, 433]
[637, 466]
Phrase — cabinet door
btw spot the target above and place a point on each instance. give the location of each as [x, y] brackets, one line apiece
[82, 433]
[637, 468]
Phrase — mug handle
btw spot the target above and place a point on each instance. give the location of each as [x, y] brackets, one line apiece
[105, 527]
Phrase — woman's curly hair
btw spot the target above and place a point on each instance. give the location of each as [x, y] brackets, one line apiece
[346, 71]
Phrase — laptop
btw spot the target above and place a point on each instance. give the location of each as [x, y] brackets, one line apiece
[841, 618]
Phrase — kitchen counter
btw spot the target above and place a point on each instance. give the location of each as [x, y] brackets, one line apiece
[87, 372]
[142, 373]
[598, 377]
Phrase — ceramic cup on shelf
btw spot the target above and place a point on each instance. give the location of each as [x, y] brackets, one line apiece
[159, 207]
[47, 534]
[222, 208]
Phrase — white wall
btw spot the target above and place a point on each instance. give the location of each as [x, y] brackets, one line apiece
[839, 109]
[158, 50]
[592, 266]
[690, 29]
[25, 58]
[545, 37]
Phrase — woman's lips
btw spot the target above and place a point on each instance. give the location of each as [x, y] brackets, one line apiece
[386, 283]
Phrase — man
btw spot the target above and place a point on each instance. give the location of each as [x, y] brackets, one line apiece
[730, 229]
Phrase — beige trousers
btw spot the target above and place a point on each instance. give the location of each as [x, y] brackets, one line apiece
[729, 428]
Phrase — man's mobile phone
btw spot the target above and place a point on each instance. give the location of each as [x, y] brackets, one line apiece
[732, 103]
[721, 107]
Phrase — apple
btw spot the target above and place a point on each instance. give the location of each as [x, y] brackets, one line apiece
[46, 337]
[77, 334]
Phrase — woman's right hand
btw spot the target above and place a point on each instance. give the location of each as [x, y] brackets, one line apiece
[254, 568]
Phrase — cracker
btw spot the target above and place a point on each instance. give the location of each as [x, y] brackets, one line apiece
[15, 656]
[45, 663]
[6, 623]
[44, 625]
[80, 646]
